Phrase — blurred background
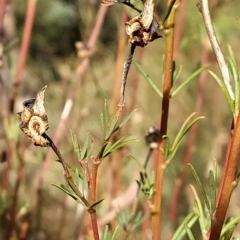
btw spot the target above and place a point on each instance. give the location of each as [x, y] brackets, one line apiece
[58, 49]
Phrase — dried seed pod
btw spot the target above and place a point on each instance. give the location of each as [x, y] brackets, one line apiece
[143, 29]
[34, 121]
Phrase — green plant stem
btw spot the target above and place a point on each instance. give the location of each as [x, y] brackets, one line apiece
[161, 164]
[228, 184]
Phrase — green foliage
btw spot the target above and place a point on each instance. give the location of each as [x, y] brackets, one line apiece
[130, 221]
[183, 229]
[107, 236]
[169, 152]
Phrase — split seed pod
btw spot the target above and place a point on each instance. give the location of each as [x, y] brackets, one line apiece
[143, 29]
[34, 120]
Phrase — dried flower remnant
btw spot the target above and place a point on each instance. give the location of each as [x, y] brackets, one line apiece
[34, 119]
[143, 29]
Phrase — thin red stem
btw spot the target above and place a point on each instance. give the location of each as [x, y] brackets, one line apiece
[229, 183]
[23, 50]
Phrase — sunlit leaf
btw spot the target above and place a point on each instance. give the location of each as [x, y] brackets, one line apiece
[187, 81]
[199, 209]
[235, 74]
[118, 144]
[189, 220]
[224, 89]
[189, 233]
[231, 224]
[182, 132]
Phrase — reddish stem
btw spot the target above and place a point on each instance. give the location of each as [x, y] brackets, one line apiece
[160, 163]
[23, 50]
[229, 183]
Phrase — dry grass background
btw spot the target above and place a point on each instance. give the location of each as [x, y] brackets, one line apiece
[53, 61]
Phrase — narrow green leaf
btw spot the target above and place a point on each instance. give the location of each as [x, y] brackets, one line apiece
[169, 11]
[200, 186]
[212, 185]
[235, 75]
[179, 134]
[228, 235]
[121, 139]
[84, 150]
[187, 81]
[105, 233]
[231, 224]
[189, 233]
[232, 54]
[139, 163]
[114, 233]
[182, 132]
[148, 79]
[96, 203]
[102, 124]
[127, 118]
[118, 145]
[199, 209]
[75, 144]
[189, 220]
[69, 192]
[106, 114]
[166, 147]
[77, 177]
[102, 150]
[224, 89]
[111, 128]
[177, 74]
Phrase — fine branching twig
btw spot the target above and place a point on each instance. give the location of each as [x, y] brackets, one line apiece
[204, 10]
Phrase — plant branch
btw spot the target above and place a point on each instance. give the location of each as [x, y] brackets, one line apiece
[204, 10]
[67, 173]
[229, 183]
[126, 68]
[160, 163]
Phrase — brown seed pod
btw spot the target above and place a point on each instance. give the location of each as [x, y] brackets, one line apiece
[34, 119]
[143, 29]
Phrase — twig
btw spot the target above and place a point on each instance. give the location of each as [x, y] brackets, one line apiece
[67, 173]
[228, 184]
[160, 163]
[126, 68]
[204, 10]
